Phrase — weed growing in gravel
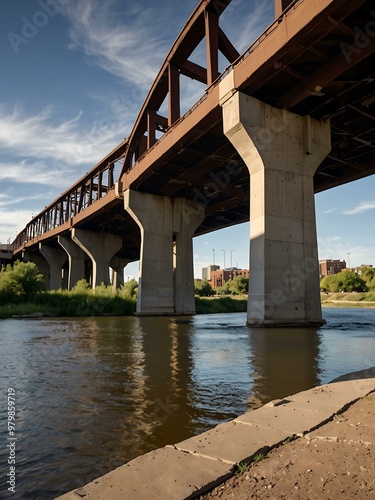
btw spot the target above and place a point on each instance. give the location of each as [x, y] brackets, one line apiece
[259, 457]
[241, 468]
[289, 439]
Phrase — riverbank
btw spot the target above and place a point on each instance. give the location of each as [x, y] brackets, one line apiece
[317, 443]
[68, 304]
[356, 299]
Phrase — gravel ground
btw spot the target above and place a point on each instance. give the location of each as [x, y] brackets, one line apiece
[336, 461]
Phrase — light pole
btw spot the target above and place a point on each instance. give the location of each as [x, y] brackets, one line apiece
[231, 255]
[348, 254]
[224, 258]
[213, 251]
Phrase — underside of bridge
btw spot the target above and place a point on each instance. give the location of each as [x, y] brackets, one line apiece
[326, 71]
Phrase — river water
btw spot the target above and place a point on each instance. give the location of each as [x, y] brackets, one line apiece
[93, 393]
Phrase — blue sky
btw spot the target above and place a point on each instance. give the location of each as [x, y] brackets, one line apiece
[74, 75]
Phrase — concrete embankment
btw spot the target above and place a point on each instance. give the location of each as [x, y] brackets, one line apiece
[189, 468]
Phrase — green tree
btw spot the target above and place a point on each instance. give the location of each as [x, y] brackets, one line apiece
[328, 284]
[203, 288]
[349, 281]
[240, 285]
[368, 275]
[346, 281]
[223, 290]
[22, 278]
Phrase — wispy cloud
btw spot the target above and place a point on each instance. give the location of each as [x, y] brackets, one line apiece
[330, 211]
[244, 24]
[11, 222]
[37, 173]
[46, 150]
[43, 138]
[7, 200]
[364, 206]
[132, 50]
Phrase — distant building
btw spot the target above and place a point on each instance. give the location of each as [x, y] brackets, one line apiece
[206, 272]
[329, 266]
[220, 277]
[5, 255]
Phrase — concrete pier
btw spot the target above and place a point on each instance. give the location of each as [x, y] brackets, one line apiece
[40, 263]
[55, 258]
[166, 279]
[282, 151]
[76, 258]
[100, 247]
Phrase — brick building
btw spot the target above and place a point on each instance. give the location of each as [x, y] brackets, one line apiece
[221, 276]
[329, 266]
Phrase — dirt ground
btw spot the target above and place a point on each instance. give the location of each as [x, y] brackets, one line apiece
[336, 461]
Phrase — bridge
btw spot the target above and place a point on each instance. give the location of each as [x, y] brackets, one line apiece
[289, 117]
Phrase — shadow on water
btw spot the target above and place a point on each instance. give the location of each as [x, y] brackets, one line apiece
[284, 361]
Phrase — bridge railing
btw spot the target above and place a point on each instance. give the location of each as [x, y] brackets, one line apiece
[89, 189]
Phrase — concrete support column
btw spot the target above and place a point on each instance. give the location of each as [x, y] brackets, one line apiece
[282, 151]
[166, 278]
[117, 265]
[56, 258]
[100, 247]
[76, 258]
[40, 263]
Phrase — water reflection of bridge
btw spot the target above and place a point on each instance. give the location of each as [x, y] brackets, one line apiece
[293, 114]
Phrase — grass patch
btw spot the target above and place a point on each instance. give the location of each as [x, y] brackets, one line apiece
[221, 305]
[360, 299]
[99, 302]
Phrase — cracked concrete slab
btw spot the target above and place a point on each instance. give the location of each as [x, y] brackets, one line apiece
[165, 473]
[232, 442]
[286, 418]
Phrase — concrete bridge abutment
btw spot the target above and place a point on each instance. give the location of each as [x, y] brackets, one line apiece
[100, 247]
[166, 277]
[282, 151]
